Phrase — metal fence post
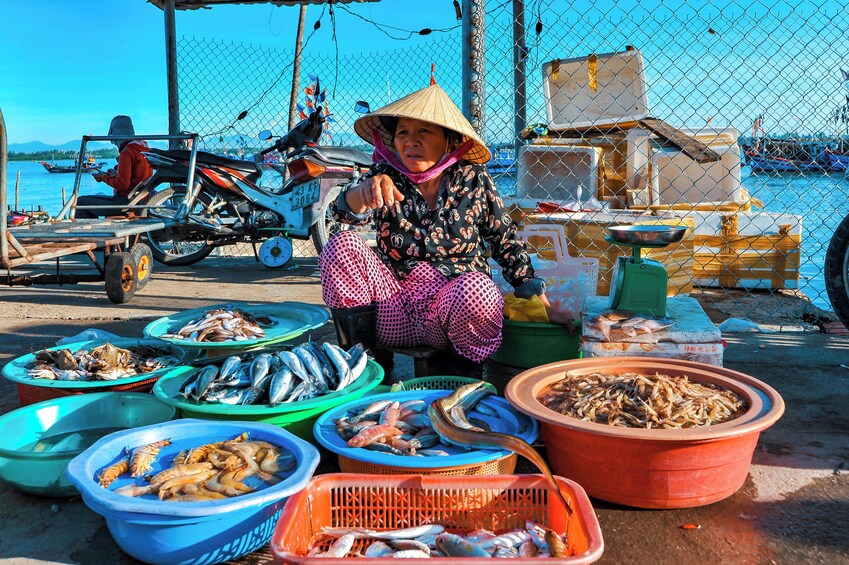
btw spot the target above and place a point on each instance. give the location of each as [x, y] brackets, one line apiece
[474, 64]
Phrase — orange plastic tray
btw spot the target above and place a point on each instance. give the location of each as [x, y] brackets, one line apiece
[461, 504]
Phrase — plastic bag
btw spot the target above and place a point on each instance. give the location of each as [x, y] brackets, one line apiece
[733, 325]
[525, 309]
[91, 334]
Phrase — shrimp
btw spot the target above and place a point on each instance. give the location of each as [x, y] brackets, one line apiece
[144, 456]
[112, 472]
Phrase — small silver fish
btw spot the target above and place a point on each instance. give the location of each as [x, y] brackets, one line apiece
[337, 357]
[260, 367]
[229, 367]
[456, 546]
[282, 384]
[294, 363]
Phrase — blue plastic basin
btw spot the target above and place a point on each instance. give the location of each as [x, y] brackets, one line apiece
[187, 533]
[509, 421]
[40, 439]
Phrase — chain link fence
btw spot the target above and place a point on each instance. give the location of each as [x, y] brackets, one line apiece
[664, 112]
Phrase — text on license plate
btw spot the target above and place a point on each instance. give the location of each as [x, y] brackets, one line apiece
[306, 194]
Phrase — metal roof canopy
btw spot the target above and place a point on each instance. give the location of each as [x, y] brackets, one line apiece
[197, 4]
[170, 6]
[472, 61]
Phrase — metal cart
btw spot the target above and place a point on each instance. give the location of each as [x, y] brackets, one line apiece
[126, 264]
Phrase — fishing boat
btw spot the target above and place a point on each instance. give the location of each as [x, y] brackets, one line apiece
[771, 155]
[503, 161]
[89, 166]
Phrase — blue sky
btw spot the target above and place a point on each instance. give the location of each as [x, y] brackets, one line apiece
[93, 59]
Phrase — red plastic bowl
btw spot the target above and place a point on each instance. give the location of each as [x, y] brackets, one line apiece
[654, 468]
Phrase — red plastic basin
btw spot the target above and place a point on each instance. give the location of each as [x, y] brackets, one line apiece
[654, 468]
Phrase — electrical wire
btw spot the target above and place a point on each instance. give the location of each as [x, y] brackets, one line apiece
[410, 33]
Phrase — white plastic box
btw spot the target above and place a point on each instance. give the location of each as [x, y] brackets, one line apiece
[564, 174]
[582, 93]
[641, 143]
[678, 179]
[569, 280]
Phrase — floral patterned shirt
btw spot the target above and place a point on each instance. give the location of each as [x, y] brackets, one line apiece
[468, 223]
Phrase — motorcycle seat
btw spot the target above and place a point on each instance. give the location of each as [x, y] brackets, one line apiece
[251, 170]
[332, 153]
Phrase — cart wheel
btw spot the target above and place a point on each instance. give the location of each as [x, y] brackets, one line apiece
[121, 281]
[144, 263]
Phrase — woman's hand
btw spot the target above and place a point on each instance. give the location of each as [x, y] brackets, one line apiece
[374, 192]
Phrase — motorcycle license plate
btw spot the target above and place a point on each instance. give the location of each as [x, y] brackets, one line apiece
[306, 194]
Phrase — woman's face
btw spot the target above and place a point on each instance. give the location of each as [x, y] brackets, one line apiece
[420, 145]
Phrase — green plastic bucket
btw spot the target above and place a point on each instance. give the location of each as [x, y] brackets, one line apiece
[297, 417]
[442, 382]
[530, 344]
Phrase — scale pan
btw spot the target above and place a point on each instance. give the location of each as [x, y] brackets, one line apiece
[647, 234]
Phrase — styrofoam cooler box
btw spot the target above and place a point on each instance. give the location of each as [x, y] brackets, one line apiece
[565, 174]
[640, 144]
[678, 179]
[595, 91]
[692, 337]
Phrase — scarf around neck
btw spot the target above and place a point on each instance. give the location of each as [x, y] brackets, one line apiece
[386, 155]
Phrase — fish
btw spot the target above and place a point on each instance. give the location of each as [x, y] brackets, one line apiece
[327, 368]
[206, 377]
[337, 357]
[260, 367]
[282, 384]
[313, 368]
[358, 367]
[294, 363]
[229, 367]
[626, 322]
[457, 546]
[355, 352]
[451, 434]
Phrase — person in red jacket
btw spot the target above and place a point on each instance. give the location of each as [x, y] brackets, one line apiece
[132, 169]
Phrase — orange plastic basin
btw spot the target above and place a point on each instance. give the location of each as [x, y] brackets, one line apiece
[655, 468]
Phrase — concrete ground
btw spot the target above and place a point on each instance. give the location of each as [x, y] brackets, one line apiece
[793, 508]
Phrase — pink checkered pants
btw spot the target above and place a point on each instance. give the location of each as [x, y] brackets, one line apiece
[426, 308]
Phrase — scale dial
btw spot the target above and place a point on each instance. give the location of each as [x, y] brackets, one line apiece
[276, 252]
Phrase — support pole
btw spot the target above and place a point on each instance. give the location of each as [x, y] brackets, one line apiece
[296, 67]
[474, 64]
[4, 243]
[171, 71]
[520, 53]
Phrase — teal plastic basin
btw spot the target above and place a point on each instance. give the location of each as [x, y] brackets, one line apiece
[40, 439]
[297, 417]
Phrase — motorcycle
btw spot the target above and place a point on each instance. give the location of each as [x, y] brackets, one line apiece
[836, 271]
[228, 206]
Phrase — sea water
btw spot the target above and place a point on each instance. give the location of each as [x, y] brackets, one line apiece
[820, 199]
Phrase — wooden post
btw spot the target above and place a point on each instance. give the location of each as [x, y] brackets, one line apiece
[63, 196]
[17, 184]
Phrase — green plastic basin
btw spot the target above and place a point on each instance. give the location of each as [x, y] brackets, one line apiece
[297, 417]
[530, 344]
[40, 439]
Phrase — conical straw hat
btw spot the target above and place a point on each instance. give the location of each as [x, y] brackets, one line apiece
[429, 104]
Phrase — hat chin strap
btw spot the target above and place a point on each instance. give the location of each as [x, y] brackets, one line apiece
[383, 154]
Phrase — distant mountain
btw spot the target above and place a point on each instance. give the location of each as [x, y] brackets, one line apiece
[74, 145]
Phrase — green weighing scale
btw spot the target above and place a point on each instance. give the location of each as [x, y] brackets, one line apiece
[639, 284]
